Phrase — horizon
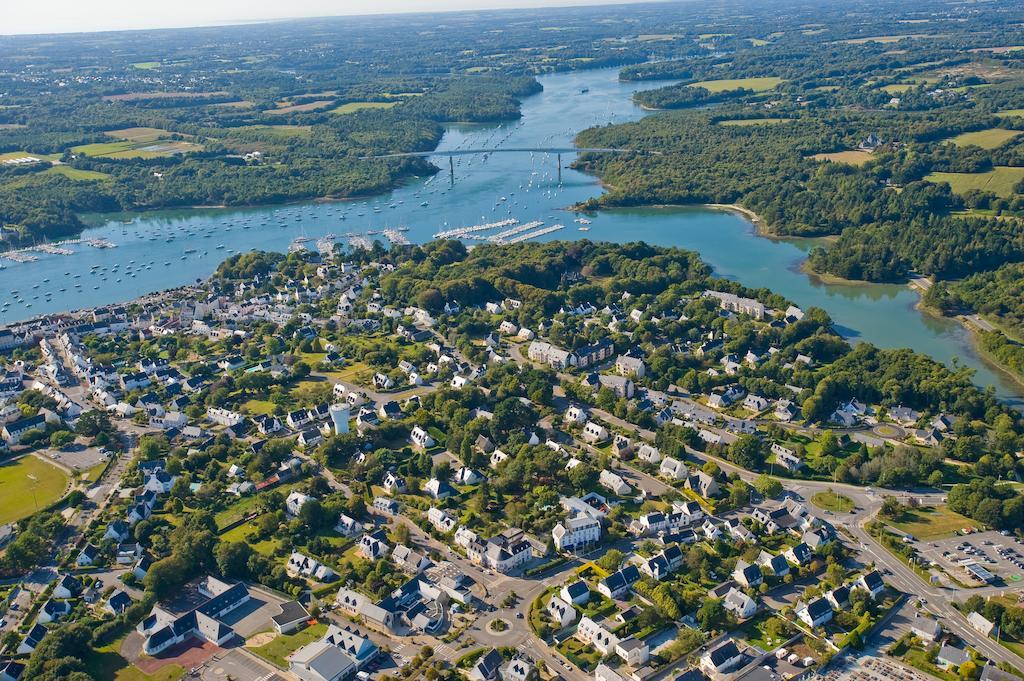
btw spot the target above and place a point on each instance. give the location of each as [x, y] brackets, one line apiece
[67, 17]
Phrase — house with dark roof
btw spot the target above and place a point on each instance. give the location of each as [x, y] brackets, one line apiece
[32, 639]
[118, 602]
[163, 629]
[816, 612]
[723, 658]
[487, 667]
[620, 582]
[293, 616]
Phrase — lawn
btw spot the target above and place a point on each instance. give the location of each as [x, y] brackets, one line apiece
[352, 107]
[584, 656]
[931, 522]
[106, 664]
[277, 651]
[755, 633]
[744, 122]
[76, 173]
[1000, 180]
[851, 157]
[830, 501]
[27, 485]
[761, 84]
[241, 533]
[245, 506]
[986, 139]
[259, 407]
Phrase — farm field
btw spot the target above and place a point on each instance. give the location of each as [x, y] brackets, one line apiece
[1000, 180]
[152, 148]
[931, 522]
[138, 96]
[285, 108]
[76, 173]
[21, 154]
[986, 139]
[852, 157]
[885, 38]
[352, 107]
[744, 122]
[897, 88]
[761, 84]
[278, 131]
[146, 65]
[21, 495]
[1011, 112]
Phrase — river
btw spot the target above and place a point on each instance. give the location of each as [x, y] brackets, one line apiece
[165, 249]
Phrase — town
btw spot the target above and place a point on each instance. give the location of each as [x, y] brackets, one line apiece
[592, 461]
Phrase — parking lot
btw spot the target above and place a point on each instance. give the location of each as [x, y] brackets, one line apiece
[1003, 556]
[77, 457]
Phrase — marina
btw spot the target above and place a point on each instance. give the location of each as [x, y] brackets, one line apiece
[195, 241]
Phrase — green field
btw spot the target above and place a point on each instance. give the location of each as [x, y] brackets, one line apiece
[21, 154]
[21, 495]
[830, 501]
[852, 157]
[931, 522]
[762, 84]
[106, 664]
[1011, 112]
[146, 65]
[352, 107]
[279, 131]
[745, 122]
[277, 651]
[76, 173]
[986, 139]
[1000, 180]
[241, 533]
[897, 88]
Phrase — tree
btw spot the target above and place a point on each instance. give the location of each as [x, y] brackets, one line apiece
[61, 439]
[747, 452]
[767, 486]
[711, 614]
[583, 477]
[611, 560]
[968, 670]
[313, 516]
[233, 559]
[891, 508]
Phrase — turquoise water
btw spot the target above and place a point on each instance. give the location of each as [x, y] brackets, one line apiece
[170, 248]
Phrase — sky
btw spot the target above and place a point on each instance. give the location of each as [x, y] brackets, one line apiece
[69, 16]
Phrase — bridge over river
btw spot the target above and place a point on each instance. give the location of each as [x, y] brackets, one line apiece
[558, 151]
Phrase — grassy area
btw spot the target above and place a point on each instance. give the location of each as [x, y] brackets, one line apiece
[277, 651]
[352, 107]
[245, 506]
[986, 139]
[286, 108]
[138, 134]
[129, 149]
[918, 659]
[744, 122]
[931, 522]
[1000, 180]
[27, 485]
[755, 631]
[106, 664]
[883, 38]
[76, 173]
[258, 407]
[897, 88]
[279, 131]
[830, 501]
[1011, 112]
[586, 657]
[93, 474]
[241, 533]
[851, 157]
[146, 65]
[761, 84]
[7, 156]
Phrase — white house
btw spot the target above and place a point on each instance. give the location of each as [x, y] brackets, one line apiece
[576, 533]
[594, 432]
[561, 612]
[295, 501]
[421, 438]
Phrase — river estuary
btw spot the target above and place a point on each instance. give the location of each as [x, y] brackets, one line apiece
[165, 249]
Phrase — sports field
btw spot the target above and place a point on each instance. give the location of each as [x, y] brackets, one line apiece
[1000, 180]
[762, 84]
[28, 484]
